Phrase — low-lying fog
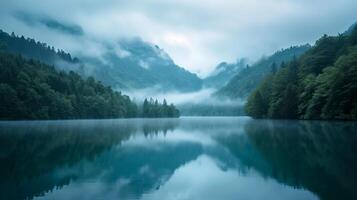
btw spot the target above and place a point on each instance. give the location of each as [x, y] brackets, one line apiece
[202, 102]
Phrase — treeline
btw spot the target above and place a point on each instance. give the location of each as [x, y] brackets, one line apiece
[30, 89]
[321, 84]
[154, 109]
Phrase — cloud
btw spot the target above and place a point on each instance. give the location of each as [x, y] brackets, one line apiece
[171, 97]
[144, 64]
[197, 34]
[201, 97]
[33, 20]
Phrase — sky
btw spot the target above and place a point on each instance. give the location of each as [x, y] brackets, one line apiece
[197, 34]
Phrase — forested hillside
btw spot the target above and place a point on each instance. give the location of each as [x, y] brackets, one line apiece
[321, 84]
[243, 83]
[30, 89]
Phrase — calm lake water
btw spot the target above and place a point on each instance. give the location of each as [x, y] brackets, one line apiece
[186, 158]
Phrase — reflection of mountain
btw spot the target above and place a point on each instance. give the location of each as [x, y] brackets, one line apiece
[32, 151]
[318, 156]
[138, 169]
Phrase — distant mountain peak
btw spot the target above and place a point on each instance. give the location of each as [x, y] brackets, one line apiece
[223, 72]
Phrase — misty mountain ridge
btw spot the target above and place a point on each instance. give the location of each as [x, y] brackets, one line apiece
[350, 29]
[223, 73]
[243, 83]
[126, 65]
[135, 64]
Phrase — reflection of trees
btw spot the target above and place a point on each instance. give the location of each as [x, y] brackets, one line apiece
[155, 126]
[245, 154]
[318, 156]
[31, 151]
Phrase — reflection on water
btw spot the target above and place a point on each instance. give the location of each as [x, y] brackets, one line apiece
[187, 158]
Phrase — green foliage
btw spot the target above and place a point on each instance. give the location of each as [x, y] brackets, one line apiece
[321, 84]
[32, 90]
[257, 105]
[154, 109]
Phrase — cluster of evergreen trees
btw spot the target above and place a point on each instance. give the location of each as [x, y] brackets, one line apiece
[321, 84]
[30, 89]
[30, 48]
[154, 109]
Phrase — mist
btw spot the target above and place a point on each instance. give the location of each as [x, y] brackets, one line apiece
[197, 35]
[199, 103]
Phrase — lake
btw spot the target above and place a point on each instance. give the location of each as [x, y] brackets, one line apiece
[218, 158]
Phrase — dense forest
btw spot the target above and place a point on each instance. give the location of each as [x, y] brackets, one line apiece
[30, 89]
[321, 84]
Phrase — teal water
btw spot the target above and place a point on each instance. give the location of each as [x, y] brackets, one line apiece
[186, 158]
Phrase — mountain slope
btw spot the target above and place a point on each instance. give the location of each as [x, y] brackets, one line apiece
[223, 73]
[321, 84]
[135, 64]
[242, 84]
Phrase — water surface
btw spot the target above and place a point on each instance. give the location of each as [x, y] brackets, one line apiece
[186, 158]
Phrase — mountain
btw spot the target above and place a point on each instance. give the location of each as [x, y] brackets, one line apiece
[223, 73]
[127, 64]
[135, 64]
[350, 29]
[243, 83]
[321, 84]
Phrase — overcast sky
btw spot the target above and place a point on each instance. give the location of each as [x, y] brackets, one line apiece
[197, 34]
